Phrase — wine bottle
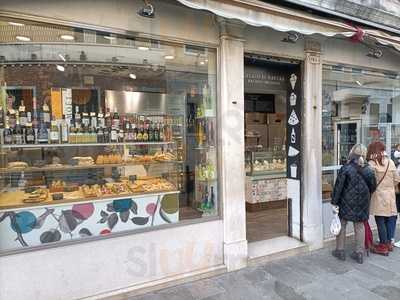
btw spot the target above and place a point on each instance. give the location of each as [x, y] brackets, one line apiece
[64, 131]
[85, 119]
[18, 137]
[135, 132]
[115, 120]
[108, 119]
[113, 135]
[128, 134]
[100, 119]
[8, 139]
[77, 118]
[23, 119]
[29, 134]
[46, 114]
[93, 120]
[43, 134]
[54, 132]
[11, 113]
[100, 135]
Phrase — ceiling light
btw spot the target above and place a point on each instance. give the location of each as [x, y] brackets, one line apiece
[169, 57]
[67, 37]
[60, 68]
[132, 76]
[107, 37]
[358, 82]
[202, 63]
[23, 38]
[15, 24]
[143, 48]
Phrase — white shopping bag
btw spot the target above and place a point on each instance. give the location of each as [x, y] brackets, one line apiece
[335, 224]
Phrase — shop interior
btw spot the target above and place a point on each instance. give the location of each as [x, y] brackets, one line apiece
[88, 118]
[266, 85]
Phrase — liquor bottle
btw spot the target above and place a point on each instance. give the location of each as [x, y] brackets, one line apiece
[93, 120]
[145, 136]
[7, 134]
[29, 134]
[100, 135]
[151, 132]
[107, 135]
[46, 114]
[161, 132]
[127, 133]
[64, 131]
[43, 134]
[139, 135]
[18, 134]
[114, 135]
[108, 119]
[54, 132]
[134, 132]
[121, 134]
[157, 132]
[23, 119]
[77, 117]
[100, 119]
[11, 114]
[28, 117]
[85, 119]
[72, 133]
[115, 120]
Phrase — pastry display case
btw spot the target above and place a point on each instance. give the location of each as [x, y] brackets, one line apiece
[271, 163]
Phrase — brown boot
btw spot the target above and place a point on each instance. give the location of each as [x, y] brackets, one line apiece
[380, 249]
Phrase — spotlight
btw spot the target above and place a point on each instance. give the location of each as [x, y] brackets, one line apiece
[60, 68]
[132, 76]
[16, 24]
[169, 57]
[67, 37]
[291, 38]
[147, 10]
[23, 38]
[375, 53]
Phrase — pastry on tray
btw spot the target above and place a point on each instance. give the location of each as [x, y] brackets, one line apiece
[17, 165]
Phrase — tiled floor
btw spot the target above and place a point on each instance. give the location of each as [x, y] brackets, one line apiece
[266, 224]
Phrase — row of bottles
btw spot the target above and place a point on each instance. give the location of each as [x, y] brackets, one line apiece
[21, 127]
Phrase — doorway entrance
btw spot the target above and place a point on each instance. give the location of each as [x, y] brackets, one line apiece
[272, 143]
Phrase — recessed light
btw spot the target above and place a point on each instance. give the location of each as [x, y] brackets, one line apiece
[15, 24]
[23, 38]
[143, 48]
[60, 68]
[67, 37]
[132, 76]
[169, 57]
[202, 63]
[107, 37]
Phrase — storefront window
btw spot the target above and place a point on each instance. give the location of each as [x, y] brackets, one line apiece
[359, 106]
[102, 133]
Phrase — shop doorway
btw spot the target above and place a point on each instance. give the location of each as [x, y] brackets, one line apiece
[271, 129]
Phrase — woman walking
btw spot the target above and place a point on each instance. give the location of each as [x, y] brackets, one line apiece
[353, 188]
[383, 201]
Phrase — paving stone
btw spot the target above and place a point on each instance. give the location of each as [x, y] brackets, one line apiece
[176, 293]
[204, 288]
[387, 292]
[362, 294]
[362, 279]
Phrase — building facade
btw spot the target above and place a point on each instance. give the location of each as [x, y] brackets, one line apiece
[174, 207]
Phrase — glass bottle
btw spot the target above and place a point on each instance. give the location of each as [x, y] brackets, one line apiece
[115, 120]
[93, 120]
[113, 135]
[46, 114]
[18, 136]
[29, 134]
[135, 132]
[22, 115]
[2, 121]
[100, 135]
[11, 113]
[128, 134]
[8, 139]
[108, 119]
[43, 134]
[100, 119]
[54, 132]
[64, 131]
[77, 117]
[85, 119]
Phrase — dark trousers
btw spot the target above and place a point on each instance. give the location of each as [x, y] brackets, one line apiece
[386, 228]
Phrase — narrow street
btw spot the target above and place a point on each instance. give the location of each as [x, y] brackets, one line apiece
[315, 275]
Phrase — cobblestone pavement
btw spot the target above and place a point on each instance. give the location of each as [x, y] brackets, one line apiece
[315, 275]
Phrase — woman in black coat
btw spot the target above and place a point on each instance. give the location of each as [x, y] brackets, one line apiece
[352, 192]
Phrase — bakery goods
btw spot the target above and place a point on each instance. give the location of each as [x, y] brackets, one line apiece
[17, 165]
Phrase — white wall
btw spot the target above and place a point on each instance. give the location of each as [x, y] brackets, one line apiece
[91, 268]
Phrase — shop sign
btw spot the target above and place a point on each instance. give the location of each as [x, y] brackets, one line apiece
[260, 79]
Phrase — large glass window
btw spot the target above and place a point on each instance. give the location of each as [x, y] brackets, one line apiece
[102, 133]
[359, 106]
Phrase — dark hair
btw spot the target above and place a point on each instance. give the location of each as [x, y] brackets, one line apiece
[375, 152]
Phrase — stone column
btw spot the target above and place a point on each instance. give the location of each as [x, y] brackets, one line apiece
[312, 148]
[231, 138]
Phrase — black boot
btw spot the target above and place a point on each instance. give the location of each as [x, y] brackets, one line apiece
[358, 257]
[339, 254]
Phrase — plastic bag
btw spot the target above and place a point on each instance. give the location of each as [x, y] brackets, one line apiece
[335, 224]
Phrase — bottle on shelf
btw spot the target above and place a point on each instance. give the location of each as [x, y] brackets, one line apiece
[93, 120]
[139, 136]
[211, 203]
[100, 135]
[85, 119]
[77, 117]
[128, 133]
[135, 132]
[107, 135]
[64, 131]
[18, 135]
[23, 118]
[7, 134]
[157, 132]
[46, 114]
[115, 120]
[151, 132]
[43, 134]
[113, 135]
[100, 119]
[2, 121]
[108, 119]
[11, 114]
[30, 137]
[54, 132]
[145, 136]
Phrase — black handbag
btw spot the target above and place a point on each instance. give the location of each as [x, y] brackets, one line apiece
[398, 201]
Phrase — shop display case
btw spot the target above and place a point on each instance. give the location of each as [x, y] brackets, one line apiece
[270, 163]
